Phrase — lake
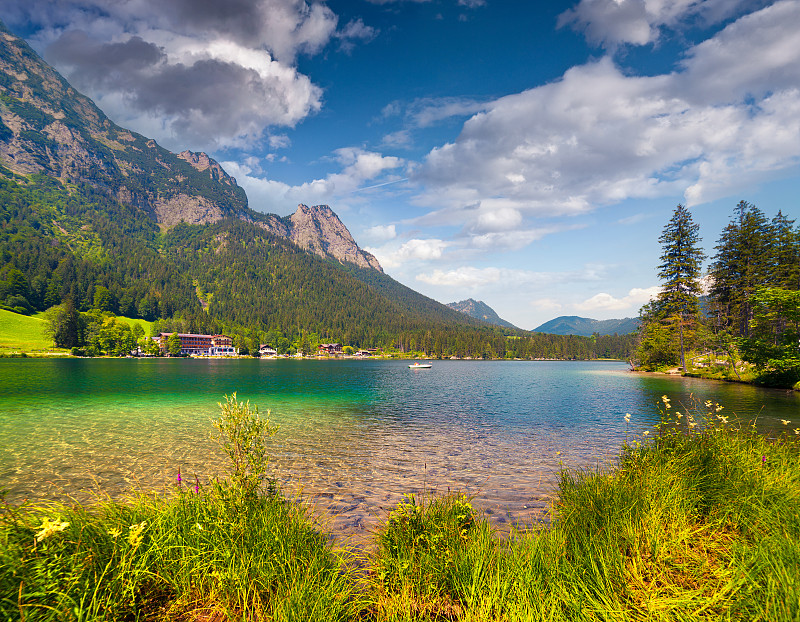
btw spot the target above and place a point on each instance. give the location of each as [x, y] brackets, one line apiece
[354, 435]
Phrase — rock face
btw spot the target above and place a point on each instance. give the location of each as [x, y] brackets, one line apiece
[480, 311]
[201, 162]
[318, 230]
[47, 127]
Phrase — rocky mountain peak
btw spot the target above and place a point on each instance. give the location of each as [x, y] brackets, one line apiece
[480, 311]
[318, 229]
[201, 161]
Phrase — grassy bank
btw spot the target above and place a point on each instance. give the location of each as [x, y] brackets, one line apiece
[697, 522]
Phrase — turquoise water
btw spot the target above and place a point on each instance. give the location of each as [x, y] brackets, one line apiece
[355, 435]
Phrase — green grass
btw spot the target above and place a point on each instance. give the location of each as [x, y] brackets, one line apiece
[700, 522]
[147, 326]
[22, 333]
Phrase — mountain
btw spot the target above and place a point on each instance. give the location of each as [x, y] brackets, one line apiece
[480, 311]
[101, 219]
[47, 127]
[574, 325]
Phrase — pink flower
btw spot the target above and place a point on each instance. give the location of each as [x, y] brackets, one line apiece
[196, 485]
[179, 478]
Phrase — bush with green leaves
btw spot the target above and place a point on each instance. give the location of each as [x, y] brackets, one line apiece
[241, 433]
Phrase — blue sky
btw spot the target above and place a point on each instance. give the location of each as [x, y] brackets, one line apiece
[525, 154]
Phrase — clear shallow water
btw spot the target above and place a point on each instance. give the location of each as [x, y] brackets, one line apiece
[355, 435]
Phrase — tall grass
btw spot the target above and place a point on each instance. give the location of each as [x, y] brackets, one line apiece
[697, 521]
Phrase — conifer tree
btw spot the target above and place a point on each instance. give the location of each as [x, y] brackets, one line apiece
[676, 311]
[742, 263]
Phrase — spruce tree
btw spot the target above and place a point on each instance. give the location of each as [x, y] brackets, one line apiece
[677, 304]
[743, 263]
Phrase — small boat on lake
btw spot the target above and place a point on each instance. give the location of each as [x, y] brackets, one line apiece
[420, 366]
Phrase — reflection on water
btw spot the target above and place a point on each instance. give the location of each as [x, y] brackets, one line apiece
[355, 435]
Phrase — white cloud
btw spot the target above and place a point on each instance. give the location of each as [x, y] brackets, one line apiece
[380, 233]
[606, 302]
[401, 138]
[639, 22]
[463, 277]
[728, 118]
[267, 195]
[190, 73]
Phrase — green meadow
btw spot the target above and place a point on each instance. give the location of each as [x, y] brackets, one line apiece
[23, 333]
[697, 521]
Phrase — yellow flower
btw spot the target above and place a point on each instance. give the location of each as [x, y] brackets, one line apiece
[722, 419]
[785, 421]
[628, 418]
[115, 533]
[135, 533]
[49, 528]
[797, 430]
[646, 432]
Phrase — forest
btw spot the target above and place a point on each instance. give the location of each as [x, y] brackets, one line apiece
[73, 249]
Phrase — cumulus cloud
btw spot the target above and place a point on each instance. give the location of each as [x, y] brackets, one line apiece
[195, 73]
[606, 302]
[380, 234]
[638, 22]
[429, 249]
[358, 167]
[598, 136]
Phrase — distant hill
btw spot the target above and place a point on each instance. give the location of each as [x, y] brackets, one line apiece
[574, 325]
[480, 311]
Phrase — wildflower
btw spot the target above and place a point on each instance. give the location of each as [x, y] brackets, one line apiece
[646, 432]
[677, 414]
[722, 419]
[692, 424]
[708, 403]
[49, 528]
[179, 478]
[628, 418]
[196, 485]
[785, 421]
[763, 459]
[115, 533]
[135, 533]
[797, 430]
